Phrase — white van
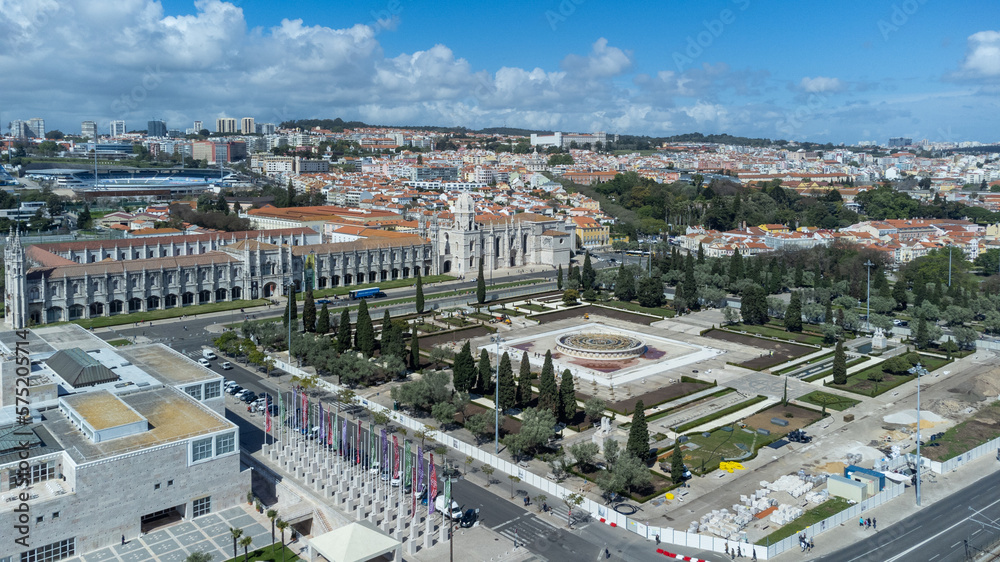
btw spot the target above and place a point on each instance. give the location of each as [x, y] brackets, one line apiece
[454, 513]
[209, 354]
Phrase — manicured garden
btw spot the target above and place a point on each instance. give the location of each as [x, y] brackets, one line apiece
[636, 307]
[271, 553]
[827, 400]
[165, 313]
[880, 378]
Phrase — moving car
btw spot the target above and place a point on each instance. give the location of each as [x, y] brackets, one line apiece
[469, 518]
[226, 365]
[209, 354]
[204, 362]
[454, 513]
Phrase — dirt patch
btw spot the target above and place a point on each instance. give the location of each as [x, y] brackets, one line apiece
[594, 311]
[801, 417]
[778, 351]
[508, 424]
[427, 342]
[659, 396]
[981, 427]
[832, 468]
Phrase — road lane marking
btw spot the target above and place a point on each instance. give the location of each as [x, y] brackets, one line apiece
[956, 544]
[925, 541]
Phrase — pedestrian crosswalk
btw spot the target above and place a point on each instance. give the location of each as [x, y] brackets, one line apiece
[532, 527]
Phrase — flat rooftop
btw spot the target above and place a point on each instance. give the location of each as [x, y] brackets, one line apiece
[68, 336]
[172, 417]
[102, 410]
[166, 365]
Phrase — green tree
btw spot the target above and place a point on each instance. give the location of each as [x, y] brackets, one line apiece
[414, 349]
[506, 391]
[559, 278]
[735, 267]
[236, 534]
[480, 284]
[463, 369]
[567, 397]
[309, 311]
[899, 295]
[701, 253]
[839, 365]
[272, 514]
[677, 464]
[548, 392]
[344, 331]
[289, 195]
[245, 542]
[921, 337]
[650, 292]
[480, 425]
[570, 297]
[793, 315]
[585, 452]
[84, 219]
[753, 307]
[323, 321]
[524, 378]
[588, 275]
[638, 433]
[594, 408]
[364, 332]
[291, 308]
[385, 342]
[282, 525]
[624, 285]
[484, 373]
[198, 557]
[420, 293]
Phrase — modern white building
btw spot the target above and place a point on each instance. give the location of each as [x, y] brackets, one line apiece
[116, 441]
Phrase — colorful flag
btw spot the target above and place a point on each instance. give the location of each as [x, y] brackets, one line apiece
[357, 446]
[294, 407]
[407, 463]
[372, 444]
[305, 412]
[330, 433]
[322, 426]
[433, 487]
[420, 467]
[395, 452]
[413, 513]
[281, 410]
[343, 438]
[267, 416]
[385, 445]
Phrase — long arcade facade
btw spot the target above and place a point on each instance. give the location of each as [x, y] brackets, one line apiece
[77, 280]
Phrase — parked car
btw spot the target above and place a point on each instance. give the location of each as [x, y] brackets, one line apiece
[226, 365]
[454, 512]
[204, 362]
[249, 396]
[469, 518]
[234, 390]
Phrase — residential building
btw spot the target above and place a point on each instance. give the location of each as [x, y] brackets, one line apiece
[564, 140]
[88, 129]
[156, 129]
[36, 126]
[225, 125]
[247, 126]
[591, 234]
[118, 128]
[198, 125]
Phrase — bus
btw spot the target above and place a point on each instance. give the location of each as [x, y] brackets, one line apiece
[372, 293]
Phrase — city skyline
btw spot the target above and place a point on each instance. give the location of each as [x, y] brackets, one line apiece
[887, 69]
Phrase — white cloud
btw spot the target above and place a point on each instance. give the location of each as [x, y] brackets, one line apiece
[602, 62]
[983, 56]
[821, 84]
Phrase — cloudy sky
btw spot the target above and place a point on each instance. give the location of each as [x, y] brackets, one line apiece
[821, 71]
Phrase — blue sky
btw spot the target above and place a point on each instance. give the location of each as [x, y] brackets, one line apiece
[820, 71]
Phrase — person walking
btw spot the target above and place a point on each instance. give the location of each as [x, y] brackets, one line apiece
[123, 540]
[874, 524]
[861, 522]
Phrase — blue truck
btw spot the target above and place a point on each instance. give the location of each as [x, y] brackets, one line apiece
[372, 293]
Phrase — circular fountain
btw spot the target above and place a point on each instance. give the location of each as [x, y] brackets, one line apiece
[600, 346]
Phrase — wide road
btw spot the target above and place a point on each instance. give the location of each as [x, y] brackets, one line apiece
[936, 533]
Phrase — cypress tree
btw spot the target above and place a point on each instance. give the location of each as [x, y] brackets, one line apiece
[506, 389]
[344, 331]
[689, 287]
[364, 333]
[588, 276]
[386, 337]
[524, 378]
[701, 253]
[753, 307]
[677, 464]
[559, 278]
[828, 313]
[921, 337]
[735, 267]
[638, 434]
[548, 392]
[309, 311]
[899, 294]
[480, 284]
[484, 373]
[323, 322]
[464, 369]
[567, 397]
[624, 285]
[793, 315]
[290, 195]
[420, 293]
[414, 350]
[839, 364]
[574, 274]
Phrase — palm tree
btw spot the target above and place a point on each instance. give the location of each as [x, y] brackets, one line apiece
[245, 543]
[198, 557]
[272, 514]
[282, 525]
[237, 533]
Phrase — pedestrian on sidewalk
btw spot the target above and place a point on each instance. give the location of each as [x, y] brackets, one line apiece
[861, 522]
[874, 524]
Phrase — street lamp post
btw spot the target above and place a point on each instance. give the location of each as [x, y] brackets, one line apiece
[918, 370]
[868, 316]
[288, 293]
[496, 398]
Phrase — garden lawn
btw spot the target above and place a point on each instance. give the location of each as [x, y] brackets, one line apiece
[635, 307]
[826, 509]
[831, 401]
[162, 314]
[773, 332]
[270, 553]
[828, 372]
[801, 364]
[859, 382]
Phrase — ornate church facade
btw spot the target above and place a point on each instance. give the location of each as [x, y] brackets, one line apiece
[502, 242]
